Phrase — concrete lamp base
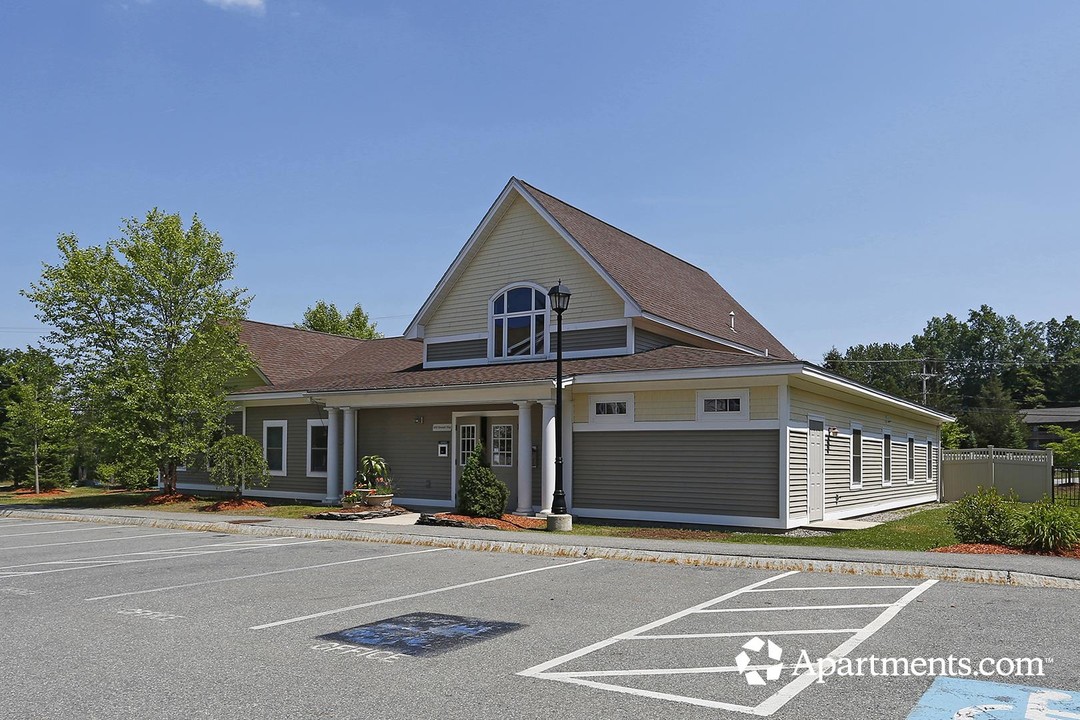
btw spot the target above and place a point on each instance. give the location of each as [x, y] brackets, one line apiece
[560, 523]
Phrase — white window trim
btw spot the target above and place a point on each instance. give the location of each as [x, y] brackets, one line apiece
[462, 458]
[284, 425]
[886, 451]
[491, 325]
[312, 424]
[628, 398]
[929, 445]
[741, 394]
[910, 459]
[511, 438]
[851, 457]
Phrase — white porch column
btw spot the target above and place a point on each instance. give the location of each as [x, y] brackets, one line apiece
[348, 460]
[547, 454]
[524, 458]
[333, 466]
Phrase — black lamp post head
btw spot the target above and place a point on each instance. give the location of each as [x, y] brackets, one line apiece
[560, 297]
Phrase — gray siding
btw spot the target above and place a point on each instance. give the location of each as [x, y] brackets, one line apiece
[707, 472]
[458, 350]
[797, 475]
[196, 473]
[645, 340]
[411, 448]
[594, 339]
[296, 479]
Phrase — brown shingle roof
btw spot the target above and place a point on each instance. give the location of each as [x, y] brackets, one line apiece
[396, 363]
[285, 354]
[659, 282]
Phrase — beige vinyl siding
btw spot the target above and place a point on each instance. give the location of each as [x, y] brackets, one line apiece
[920, 461]
[522, 247]
[797, 475]
[410, 448]
[841, 413]
[660, 406]
[764, 401]
[458, 350]
[899, 462]
[706, 472]
[873, 464]
[295, 479]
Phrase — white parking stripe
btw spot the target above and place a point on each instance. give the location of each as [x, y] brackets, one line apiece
[834, 587]
[53, 532]
[770, 705]
[795, 607]
[264, 574]
[752, 633]
[419, 594]
[84, 542]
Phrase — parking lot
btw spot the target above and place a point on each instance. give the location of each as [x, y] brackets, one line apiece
[136, 622]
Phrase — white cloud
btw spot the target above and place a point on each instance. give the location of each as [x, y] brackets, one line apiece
[255, 6]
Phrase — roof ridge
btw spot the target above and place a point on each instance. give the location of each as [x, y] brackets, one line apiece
[614, 227]
[314, 332]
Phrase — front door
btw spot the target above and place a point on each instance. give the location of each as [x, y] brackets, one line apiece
[498, 434]
[816, 471]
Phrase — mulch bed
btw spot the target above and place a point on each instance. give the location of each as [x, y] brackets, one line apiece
[506, 522]
[234, 504]
[167, 498]
[991, 549]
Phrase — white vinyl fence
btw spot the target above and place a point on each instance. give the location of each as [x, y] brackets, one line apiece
[1027, 473]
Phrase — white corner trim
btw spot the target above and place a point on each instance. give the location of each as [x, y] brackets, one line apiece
[733, 520]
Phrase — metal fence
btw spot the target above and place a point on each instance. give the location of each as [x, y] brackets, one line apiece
[1026, 473]
[1066, 487]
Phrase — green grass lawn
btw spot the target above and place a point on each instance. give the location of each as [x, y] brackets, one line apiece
[99, 498]
[923, 530]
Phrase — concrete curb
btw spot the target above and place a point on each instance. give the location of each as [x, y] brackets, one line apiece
[846, 567]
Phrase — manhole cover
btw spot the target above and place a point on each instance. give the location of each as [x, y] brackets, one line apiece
[423, 634]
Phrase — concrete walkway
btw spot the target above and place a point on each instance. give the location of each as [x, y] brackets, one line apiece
[1024, 570]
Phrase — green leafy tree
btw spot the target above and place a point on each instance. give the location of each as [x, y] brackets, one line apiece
[481, 493]
[325, 317]
[148, 327]
[994, 420]
[237, 461]
[1067, 451]
[37, 431]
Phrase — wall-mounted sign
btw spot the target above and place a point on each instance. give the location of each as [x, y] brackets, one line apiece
[441, 427]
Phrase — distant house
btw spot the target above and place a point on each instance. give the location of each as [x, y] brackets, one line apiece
[1037, 419]
[679, 405]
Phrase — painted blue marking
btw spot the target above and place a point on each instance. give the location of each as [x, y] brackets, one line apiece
[952, 698]
[421, 634]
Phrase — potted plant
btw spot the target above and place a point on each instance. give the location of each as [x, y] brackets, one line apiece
[375, 474]
[354, 498]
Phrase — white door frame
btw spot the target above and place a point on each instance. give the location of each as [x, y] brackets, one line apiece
[815, 499]
[454, 440]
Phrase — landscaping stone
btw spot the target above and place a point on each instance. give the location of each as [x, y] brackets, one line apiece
[362, 515]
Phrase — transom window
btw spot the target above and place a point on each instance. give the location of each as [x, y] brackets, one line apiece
[502, 445]
[468, 442]
[519, 322]
[722, 405]
[611, 408]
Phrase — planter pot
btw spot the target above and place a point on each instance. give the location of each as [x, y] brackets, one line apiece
[379, 500]
[347, 505]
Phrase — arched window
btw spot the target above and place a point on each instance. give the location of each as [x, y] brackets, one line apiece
[519, 322]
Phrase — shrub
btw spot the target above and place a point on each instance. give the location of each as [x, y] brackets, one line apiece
[984, 517]
[236, 461]
[1048, 527]
[480, 493]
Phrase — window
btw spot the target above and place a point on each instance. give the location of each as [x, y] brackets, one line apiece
[929, 460]
[723, 405]
[856, 457]
[317, 447]
[467, 434]
[274, 447]
[611, 408]
[910, 460]
[502, 445]
[886, 459]
[519, 323]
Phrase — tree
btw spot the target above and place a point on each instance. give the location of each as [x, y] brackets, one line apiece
[1066, 452]
[325, 317]
[37, 429]
[236, 461]
[481, 493]
[149, 332]
[993, 420]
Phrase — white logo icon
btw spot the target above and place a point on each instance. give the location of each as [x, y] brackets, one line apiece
[772, 671]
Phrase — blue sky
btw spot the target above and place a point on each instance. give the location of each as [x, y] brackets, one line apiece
[845, 169]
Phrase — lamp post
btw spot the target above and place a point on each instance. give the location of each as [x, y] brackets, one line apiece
[560, 300]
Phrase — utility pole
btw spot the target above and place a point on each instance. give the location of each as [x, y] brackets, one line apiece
[924, 376]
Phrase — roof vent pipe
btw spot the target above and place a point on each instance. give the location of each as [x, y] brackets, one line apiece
[732, 314]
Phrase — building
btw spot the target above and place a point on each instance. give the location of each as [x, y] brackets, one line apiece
[1037, 420]
[678, 404]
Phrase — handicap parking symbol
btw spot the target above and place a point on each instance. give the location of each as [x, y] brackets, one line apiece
[962, 699]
